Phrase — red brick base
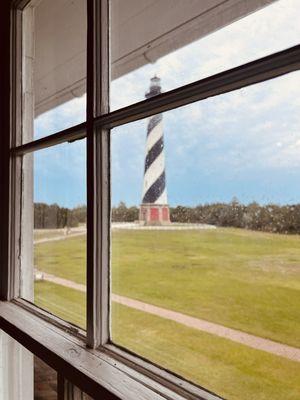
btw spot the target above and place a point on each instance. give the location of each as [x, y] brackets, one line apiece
[154, 214]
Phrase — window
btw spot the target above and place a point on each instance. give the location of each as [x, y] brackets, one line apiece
[186, 287]
[149, 233]
[59, 235]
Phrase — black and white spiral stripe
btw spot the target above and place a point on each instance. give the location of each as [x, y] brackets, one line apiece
[154, 190]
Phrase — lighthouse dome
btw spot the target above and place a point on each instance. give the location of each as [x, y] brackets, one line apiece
[155, 87]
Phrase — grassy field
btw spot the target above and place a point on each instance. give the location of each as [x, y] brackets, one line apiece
[66, 303]
[64, 258]
[241, 279]
[219, 365]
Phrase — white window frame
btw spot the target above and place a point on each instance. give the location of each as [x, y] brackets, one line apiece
[89, 360]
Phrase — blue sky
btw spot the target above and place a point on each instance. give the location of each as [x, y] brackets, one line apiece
[244, 143]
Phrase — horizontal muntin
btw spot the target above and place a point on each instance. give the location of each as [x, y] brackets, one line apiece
[76, 132]
[263, 69]
[248, 74]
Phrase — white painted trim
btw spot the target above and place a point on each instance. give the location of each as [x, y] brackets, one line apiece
[16, 370]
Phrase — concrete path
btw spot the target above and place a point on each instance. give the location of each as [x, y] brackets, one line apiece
[256, 342]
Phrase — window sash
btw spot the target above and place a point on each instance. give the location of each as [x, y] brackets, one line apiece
[260, 70]
[152, 381]
[98, 164]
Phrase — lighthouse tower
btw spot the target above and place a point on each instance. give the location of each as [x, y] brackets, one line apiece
[154, 209]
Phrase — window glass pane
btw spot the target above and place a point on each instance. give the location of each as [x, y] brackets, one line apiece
[45, 381]
[75, 393]
[54, 230]
[206, 238]
[183, 41]
[54, 64]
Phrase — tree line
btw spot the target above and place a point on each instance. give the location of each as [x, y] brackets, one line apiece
[268, 218]
[53, 216]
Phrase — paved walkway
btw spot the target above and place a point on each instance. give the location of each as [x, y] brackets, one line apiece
[256, 342]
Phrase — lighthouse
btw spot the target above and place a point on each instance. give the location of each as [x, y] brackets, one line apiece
[154, 209]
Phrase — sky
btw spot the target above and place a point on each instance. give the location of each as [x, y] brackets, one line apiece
[243, 144]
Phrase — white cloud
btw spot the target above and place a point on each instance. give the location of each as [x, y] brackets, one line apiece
[64, 116]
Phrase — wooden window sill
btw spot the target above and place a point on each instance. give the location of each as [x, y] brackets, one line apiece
[96, 372]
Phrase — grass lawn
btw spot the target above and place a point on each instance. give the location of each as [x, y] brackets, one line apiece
[224, 367]
[64, 258]
[65, 303]
[241, 279]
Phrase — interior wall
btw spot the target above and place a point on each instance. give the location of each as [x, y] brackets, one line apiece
[16, 370]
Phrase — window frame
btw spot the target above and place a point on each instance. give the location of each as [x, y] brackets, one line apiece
[70, 351]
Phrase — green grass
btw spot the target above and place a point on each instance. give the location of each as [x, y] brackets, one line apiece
[66, 303]
[241, 279]
[245, 280]
[231, 370]
[224, 367]
[64, 258]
